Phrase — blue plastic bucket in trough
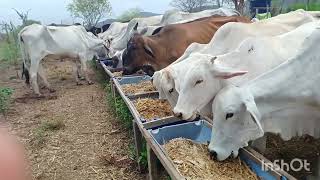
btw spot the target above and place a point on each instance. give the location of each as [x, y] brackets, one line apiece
[200, 132]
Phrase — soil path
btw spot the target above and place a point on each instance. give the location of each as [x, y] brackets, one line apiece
[91, 145]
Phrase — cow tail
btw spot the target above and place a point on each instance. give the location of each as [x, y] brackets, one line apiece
[24, 56]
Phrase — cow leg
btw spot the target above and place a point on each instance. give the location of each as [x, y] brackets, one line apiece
[34, 75]
[79, 71]
[43, 76]
[76, 70]
[85, 70]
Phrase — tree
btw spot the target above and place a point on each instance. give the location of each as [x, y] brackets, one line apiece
[130, 14]
[89, 11]
[189, 5]
[23, 16]
[239, 5]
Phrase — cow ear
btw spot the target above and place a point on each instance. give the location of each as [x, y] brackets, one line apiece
[135, 28]
[223, 72]
[148, 50]
[251, 107]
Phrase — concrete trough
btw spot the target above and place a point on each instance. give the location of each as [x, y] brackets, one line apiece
[200, 132]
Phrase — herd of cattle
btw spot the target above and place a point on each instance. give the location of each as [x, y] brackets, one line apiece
[249, 77]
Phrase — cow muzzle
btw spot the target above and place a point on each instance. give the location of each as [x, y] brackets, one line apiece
[128, 71]
[148, 69]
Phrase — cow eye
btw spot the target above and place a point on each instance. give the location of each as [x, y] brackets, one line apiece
[171, 90]
[251, 49]
[198, 82]
[229, 115]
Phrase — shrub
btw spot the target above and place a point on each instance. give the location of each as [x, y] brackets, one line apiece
[5, 99]
[9, 53]
[310, 7]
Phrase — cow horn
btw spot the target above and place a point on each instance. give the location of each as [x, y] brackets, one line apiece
[136, 27]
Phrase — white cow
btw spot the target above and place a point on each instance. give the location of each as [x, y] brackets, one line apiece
[120, 42]
[115, 29]
[284, 100]
[227, 38]
[175, 16]
[38, 42]
[257, 55]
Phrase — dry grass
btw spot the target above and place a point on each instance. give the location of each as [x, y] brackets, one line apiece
[79, 130]
[194, 162]
[142, 87]
[153, 108]
[118, 74]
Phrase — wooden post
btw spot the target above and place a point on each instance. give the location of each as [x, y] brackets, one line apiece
[138, 140]
[113, 89]
[153, 165]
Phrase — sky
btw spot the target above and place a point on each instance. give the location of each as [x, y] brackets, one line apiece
[54, 11]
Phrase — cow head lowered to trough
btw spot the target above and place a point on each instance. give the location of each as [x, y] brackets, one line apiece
[236, 122]
[138, 55]
[200, 85]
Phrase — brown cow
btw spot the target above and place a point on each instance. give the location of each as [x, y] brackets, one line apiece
[155, 52]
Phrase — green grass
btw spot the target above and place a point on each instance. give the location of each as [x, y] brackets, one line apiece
[310, 7]
[120, 109]
[143, 158]
[9, 53]
[43, 129]
[5, 99]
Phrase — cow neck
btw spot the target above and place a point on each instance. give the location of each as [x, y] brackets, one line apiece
[286, 87]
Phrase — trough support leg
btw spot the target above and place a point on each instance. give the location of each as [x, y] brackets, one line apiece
[138, 143]
[112, 89]
[153, 165]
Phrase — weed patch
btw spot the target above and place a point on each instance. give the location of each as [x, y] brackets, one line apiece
[43, 130]
[5, 99]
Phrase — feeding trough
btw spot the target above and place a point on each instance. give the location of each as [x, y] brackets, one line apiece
[200, 132]
[134, 85]
[106, 65]
[160, 110]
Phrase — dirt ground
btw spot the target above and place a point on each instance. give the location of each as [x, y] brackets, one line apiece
[91, 144]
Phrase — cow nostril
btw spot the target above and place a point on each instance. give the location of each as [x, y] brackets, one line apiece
[213, 155]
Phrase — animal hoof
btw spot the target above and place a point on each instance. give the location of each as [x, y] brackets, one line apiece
[90, 82]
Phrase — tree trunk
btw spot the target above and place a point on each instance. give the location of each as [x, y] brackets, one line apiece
[239, 5]
[218, 3]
